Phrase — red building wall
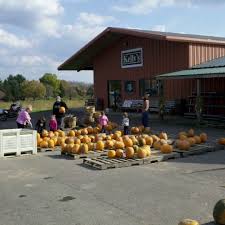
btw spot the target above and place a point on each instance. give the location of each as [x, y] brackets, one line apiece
[159, 57]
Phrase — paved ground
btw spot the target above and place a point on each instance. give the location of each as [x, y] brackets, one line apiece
[48, 189]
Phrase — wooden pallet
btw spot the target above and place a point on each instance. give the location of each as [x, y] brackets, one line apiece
[104, 162]
[91, 154]
[15, 154]
[57, 148]
[219, 147]
[196, 150]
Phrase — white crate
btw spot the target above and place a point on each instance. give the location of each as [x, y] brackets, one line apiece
[18, 141]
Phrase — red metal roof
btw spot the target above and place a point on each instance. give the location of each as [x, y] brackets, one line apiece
[82, 60]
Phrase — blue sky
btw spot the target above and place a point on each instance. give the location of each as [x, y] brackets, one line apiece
[36, 36]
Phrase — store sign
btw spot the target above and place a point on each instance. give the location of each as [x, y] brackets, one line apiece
[132, 58]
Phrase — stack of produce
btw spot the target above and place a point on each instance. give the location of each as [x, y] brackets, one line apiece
[188, 139]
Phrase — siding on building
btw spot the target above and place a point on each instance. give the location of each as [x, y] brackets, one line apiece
[159, 57]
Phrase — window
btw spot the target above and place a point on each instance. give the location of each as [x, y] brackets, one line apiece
[129, 86]
[148, 86]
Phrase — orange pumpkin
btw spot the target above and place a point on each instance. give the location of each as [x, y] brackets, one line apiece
[197, 139]
[63, 147]
[203, 137]
[56, 133]
[62, 110]
[111, 154]
[141, 128]
[119, 145]
[86, 139]
[128, 142]
[75, 149]
[142, 141]
[71, 133]
[84, 131]
[191, 140]
[165, 149]
[51, 134]
[129, 152]
[44, 144]
[91, 146]
[163, 135]
[90, 130]
[100, 146]
[109, 144]
[149, 140]
[69, 141]
[62, 134]
[44, 133]
[142, 153]
[157, 145]
[119, 153]
[221, 141]
[77, 141]
[83, 149]
[39, 140]
[135, 130]
[51, 144]
[69, 147]
[191, 133]
[183, 145]
[155, 138]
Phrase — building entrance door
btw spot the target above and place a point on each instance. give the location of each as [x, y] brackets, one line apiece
[114, 93]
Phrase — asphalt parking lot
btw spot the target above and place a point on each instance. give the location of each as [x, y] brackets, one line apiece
[54, 190]
[48, 189]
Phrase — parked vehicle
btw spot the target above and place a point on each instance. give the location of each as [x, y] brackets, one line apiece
[3, 114]
[14, 109]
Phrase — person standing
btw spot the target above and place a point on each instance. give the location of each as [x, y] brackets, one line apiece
[24, 119]
[59, 110]
[125, 123]
[145, 111]
[103, 121]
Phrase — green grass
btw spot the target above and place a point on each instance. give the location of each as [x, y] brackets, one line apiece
[44, 105]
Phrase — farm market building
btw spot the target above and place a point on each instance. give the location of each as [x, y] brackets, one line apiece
[128, 60]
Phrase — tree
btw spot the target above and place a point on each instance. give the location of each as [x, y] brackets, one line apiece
[12, 86]
[34, 89]
[49, 79]
[64, 87]
[90, 90]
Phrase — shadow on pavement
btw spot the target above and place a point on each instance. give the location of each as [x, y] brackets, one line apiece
[59, 157]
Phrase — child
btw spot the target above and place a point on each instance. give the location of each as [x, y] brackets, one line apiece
[125, 123]
[103, 121]
[41, 125]
[53, 123]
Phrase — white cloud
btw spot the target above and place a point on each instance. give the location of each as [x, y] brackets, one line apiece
[143, 6]
[12, 40]
[160, 27]
[31, 14]
[146, 6]
[88, 25]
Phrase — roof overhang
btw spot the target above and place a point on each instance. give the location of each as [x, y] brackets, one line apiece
[194, 74]
[83, 59]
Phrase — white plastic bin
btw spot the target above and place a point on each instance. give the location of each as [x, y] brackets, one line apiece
[18, 141]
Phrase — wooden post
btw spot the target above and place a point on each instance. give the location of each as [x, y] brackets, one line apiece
[161, 100]
[198, 106]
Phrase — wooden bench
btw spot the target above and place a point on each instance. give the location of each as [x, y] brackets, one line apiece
[132, 105]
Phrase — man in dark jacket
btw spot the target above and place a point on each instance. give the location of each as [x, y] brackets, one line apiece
[56, 110]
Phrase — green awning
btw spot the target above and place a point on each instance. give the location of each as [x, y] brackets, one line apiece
[194, 73]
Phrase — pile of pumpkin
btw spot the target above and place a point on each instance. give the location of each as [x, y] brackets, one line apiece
[188, 139]
[116, 144]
